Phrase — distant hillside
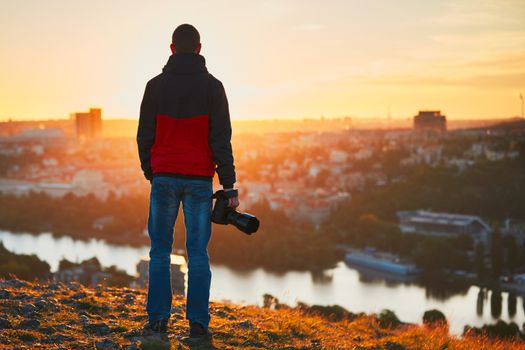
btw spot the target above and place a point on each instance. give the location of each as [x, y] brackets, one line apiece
[515, 123]
[58, 316]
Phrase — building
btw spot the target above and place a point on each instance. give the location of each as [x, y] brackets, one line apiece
[88, 181]
[20, 187]
[88, 125]
[178, 273]
[338, 156]
[40, 133]
[88, 272]
[430, 121]
[15, 187]
[428, 223]
[256, 191]
[515, 229]
[56, 190]
[103, 222]
[83, 183]
[520, 279]
[315, 212]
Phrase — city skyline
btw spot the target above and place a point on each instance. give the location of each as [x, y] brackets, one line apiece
[290, 61]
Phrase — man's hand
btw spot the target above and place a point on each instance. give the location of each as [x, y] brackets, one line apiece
[234, 201]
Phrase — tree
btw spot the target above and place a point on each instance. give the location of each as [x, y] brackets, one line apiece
[522, 255]
[496, 303]
[512, 303]
[388, 319]
[496, 253]
[480, 261]
[367, 229]
[27, 267]
[511, 255]
[436, 253]
[433, 318]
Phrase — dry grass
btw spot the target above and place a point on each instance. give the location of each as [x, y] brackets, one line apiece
[71, 320]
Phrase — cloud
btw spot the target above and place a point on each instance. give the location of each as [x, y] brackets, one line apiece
[479, 13]
[509, 61]
[492, 81]
[491, 39]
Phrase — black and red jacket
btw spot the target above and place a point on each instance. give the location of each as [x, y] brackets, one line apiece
[184, 126]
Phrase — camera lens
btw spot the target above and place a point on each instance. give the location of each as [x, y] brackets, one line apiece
[245, 222]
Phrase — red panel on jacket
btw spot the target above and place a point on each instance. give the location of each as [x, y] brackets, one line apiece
[181, 146]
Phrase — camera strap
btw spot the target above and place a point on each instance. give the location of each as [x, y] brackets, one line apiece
[226, 194]
[231, 194]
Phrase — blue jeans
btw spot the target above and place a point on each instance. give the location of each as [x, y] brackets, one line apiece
[165, 198]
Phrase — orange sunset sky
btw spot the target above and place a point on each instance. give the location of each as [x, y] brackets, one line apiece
[277, 59]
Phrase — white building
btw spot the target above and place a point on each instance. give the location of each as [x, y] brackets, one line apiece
[314, 170]
[338, 156]
[84, 182]
[364, 153]
[256, 190]
[54, 189]
[90, 181]
[15, 187]
[429, 223]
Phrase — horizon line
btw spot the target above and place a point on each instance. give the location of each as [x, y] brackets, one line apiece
[247, 119]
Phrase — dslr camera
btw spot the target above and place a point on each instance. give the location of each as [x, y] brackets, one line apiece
[224, 215]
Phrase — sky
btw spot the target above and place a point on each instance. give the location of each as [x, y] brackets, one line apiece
[276, 59]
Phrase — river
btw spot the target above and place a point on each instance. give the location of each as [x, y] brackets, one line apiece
[355, 290]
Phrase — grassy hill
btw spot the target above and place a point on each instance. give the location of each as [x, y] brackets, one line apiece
[69, 316]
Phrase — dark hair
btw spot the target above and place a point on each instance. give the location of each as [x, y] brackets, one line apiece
[185, 38]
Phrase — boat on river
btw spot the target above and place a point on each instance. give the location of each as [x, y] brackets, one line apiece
[382, 261]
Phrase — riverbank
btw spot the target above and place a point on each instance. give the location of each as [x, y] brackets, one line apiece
[73, 317]
[280, 245]
[354, 289]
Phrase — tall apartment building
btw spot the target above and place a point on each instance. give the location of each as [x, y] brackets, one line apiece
[88, 125]
[430, 121]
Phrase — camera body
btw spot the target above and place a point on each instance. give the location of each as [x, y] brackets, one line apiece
[222, 214]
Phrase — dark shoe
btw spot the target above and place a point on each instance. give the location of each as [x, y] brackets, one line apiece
[198, 332]
[159, 326]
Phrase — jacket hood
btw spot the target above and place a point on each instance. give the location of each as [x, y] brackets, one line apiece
[185, 63]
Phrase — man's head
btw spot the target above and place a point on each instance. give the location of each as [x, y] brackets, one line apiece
[185, 39]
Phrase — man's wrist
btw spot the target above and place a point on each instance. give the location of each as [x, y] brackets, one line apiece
[227, 187]
[231, 193]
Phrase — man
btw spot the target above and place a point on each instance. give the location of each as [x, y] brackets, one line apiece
[184, 136]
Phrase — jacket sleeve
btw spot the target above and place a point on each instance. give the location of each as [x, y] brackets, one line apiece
[146, 131]
[220, 132]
